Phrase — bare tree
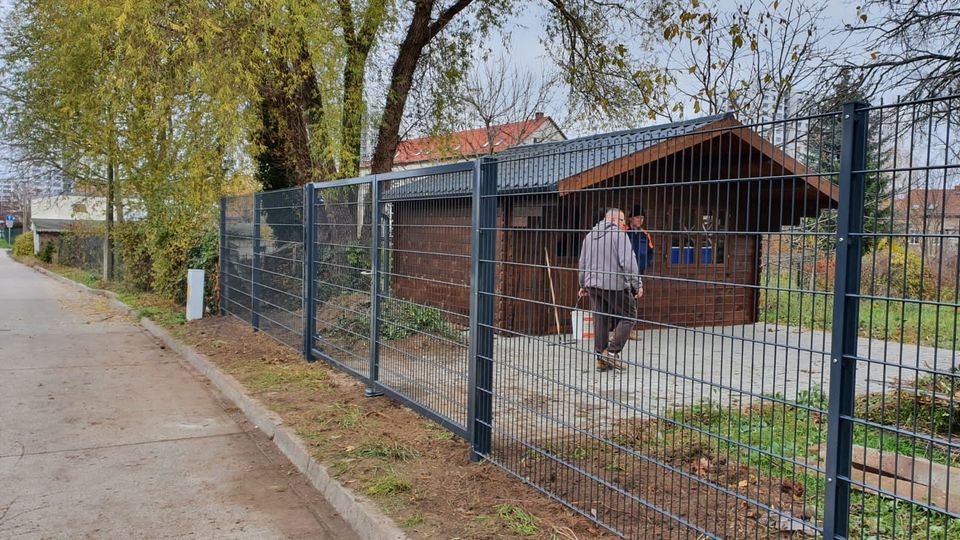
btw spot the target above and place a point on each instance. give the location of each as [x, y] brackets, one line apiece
[913, 45]
[497, 93]
[749, 61]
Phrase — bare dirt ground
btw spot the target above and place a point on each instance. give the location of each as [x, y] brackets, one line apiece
[420, 474]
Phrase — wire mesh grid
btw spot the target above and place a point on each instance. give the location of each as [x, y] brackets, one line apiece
[658, 416]
[426, 248]
[904, 420]
[342, 276]
[790, 367]
[236, 254]
[262, 243]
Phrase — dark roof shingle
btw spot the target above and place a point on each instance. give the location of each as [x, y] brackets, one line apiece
[540, 167]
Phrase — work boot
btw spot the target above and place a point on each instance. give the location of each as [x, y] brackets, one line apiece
[602, 364]
[613, 361]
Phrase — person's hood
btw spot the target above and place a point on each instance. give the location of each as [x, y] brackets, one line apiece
[602, 229]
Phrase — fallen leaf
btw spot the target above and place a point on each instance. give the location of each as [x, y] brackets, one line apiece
[742, 483]
[792, 487]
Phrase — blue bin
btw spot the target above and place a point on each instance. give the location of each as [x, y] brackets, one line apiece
[706, 255]
[687, 255]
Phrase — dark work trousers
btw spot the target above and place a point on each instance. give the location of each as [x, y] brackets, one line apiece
[612, 310]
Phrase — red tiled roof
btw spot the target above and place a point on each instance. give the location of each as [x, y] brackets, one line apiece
[466, 144]
[945, 202]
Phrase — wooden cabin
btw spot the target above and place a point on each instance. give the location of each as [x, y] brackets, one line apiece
[711, 190]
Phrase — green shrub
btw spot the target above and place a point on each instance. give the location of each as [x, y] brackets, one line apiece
[46, 252]
[402, 319]
[130, 241]
[900, 272]
[170, 251]
[205, 256]
[23, 246]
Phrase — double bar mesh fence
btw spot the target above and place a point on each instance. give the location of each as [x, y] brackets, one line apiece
[788, 365]
[262, 262]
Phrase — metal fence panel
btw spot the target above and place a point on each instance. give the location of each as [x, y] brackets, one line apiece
[262, 264]
[700, 426]
[425, 259]
[904, 421]
[342, 275]
[236, 266]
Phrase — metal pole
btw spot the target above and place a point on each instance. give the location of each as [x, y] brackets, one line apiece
[255, 263]
[846, 315]
[376, 276]
[309, 265]
[223, 256]
[483, 265]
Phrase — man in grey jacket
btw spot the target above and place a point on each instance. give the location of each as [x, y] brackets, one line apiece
[610, 277]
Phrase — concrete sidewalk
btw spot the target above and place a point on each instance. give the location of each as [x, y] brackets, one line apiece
[105, 434]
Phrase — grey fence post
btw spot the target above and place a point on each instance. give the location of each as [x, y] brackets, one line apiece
[254, 264]
[846, 316]
[483, 268]
[309, 264]
[375, 279]
[222, 274]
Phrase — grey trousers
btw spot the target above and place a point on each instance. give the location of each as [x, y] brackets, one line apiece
[612, 310]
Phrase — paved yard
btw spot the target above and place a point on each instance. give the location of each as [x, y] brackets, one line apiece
[672, 368]
[667, 369]
[103, 433]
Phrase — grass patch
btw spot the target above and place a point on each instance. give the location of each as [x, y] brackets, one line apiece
[785, 432]
[313, 438]
[4, 244]
[517, 520]
[413, 520]
[86, 277]
[286, 376]
[392, 451]
[347, 416]
[388, 485]
[896, 320]
[340, 467]
[440, 433]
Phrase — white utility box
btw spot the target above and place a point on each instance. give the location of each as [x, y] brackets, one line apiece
[194, 294]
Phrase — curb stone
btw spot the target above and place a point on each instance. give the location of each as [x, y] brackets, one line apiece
[359, 512]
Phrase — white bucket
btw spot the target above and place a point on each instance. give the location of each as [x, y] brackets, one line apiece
[582, 321]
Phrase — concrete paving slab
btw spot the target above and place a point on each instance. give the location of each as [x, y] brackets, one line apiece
[104, 434]
[91, 406]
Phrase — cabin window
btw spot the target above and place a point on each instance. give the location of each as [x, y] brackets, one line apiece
[713, 243]
[682, 242]
[697, 237]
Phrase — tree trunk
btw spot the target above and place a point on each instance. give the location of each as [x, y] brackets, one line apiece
[108, 225]
[358, 41]
[286, 114]
[419, 33]
[352, 119]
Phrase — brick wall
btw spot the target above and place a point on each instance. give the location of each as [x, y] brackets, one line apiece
[431, 258]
